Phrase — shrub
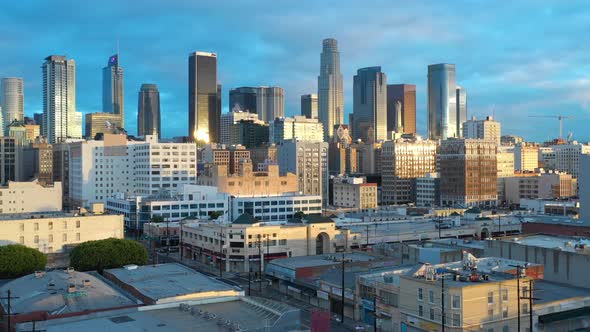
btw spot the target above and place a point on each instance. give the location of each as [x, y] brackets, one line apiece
[17, 260]
[107, 254]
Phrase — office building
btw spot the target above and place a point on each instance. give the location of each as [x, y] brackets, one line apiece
[11, 100]
[102, 123]
[243, 99]
[487, 129]
[53, 232]
[538, 185]
[511, 139]
[547, 157]
[10, 160]
[309, 161]
[370, 105]
[402, 162]
[38, 117]
[461, 105]
[505, 167]
[270, 102]
[249, 133]
[401, 108]
[29, 197]
[101, 169]
[298, 128]
[38, 162]
[60, 119]
[442, 102]
[18, 131]
[230, 156]
[567, 157]
[330, 88]
[468, 172]
[342, 153]
[113, 97]
[204, 94]
[309, 106]
[228, 120]
[263, 156]
[148, 111]
[526, 157]
[354, 193]
[428, 190]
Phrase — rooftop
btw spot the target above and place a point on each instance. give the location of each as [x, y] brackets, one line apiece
[46, 215]
[50, 292]
[164, 281]
[563, 243]
[321, 260]
[460, 243]
[553, 291]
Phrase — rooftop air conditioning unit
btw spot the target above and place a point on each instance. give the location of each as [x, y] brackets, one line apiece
[39, 274]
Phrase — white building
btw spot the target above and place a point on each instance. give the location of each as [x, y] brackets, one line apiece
[297, 127]
[567, 157]
[26, 197]
[309, 161]
[230, 119]
[100, 169]
[428, 190]
[484, 129]
[280, 208]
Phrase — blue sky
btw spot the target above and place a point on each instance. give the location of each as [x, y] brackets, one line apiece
[515, 58]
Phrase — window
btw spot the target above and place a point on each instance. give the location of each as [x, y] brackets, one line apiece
[64, 237]
[431, 313]
[36, 239]
[430, 296]
[22, 227]
[77, 223]
[505, 312]
[491, 313]
[77, 236]
[420, 295]
[50, 225]
[36, 226]
[490, 297]
[420, 310]
[65, 224]
[50, 238]
[525, 291]
[456, 302]
[282, 242]
[506, 328]
[504, 295]
[22, 240]
[524, 308]
[456, 320]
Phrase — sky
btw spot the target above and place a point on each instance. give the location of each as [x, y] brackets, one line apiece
[514, 58]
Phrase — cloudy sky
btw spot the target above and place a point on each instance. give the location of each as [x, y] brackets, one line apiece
[515, 58]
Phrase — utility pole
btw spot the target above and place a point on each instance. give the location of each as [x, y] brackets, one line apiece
[8, 309]
[500, 227]
[220, 251]
[34, 328]
[367, 245]
[442, 303]
[530, 298]
[249, 276]
[259, 264]
[180, 242]
[342, 309]
[518, 269]
[167, 237]
[375, 313]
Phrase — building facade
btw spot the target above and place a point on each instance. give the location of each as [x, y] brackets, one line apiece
[270, 102]
[228, 120]
[428, 190]
[442, 101]
[149, 120]
[243, 99]
[370, 105]
[11, 100]
[355, 193]
[468, 172]
[27, 197]
[103, 123]
[298, 128]
[204, 97]
[309, 106]
[330, 87]
[401, 98]
[526, 157]
[567, 157]
[60, 119]
[487, 129]
[113, 94]
[38, 161]
[461, 106]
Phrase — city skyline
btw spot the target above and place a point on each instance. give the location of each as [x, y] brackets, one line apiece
[543, 68]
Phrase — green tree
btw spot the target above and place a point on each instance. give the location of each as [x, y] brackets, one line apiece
[107, 254]
[299, 215]
[17, 260]
[157, 218]
[213, 215]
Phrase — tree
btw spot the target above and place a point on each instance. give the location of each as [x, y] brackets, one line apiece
[157, 218]
[213, 215]
[107, 254]
[17, 260]
[299, 215]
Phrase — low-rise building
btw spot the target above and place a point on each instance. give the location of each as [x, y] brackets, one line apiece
[428, 190]
[538, 185]
[26, 197]
[354, 192]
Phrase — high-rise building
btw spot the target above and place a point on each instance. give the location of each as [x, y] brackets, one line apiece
[309, 106]
[442, 101]
[330, 88]
[105, 123]
[38, 163]
[483, 129]
[461, 105]
[342, 154]
[11, 100]
[270, 102]
[204, 106]
[249, 133]
[468, 172]
[148, 111]
[38, 117]
[401, 98]
[309, 160]
[370, 105]
[243, 99]
[112, 89]
[298, 127]
[228, 120]
[60, 119]
[10, 155]
[402, 162]
[567, 157]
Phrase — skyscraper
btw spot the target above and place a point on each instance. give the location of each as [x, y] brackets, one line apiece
[402, 97]
[244, 98]
[112, 88]
[270, 102]
[148, 111]
[370, 105]
[442, 112]
[461, 96]
[11, 100]
[330, 90]
[60, 119]
[204, 106]
[309, 106]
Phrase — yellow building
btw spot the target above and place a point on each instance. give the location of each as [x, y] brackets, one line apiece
[29, 197]
[246, 182]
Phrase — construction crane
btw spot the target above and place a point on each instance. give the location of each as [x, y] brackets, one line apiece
[558, 117]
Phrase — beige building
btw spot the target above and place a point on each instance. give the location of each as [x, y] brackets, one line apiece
[297, 127]
[262, 156]
[356, 193]
[540, 184]
[38, 161]
[246, 240]
[487, 129]
[526, 157]
[246, 182]
[402, 161]
[105, 123]
[52, 232]
[29, 197]
[220, 154]
[468, 172]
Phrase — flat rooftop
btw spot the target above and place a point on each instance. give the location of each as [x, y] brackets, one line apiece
[251, 315]
[321, 260]
[564, 243]
[49, 293]
[553, 291]
[460, 243]
[47, 215]
[168, 280]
